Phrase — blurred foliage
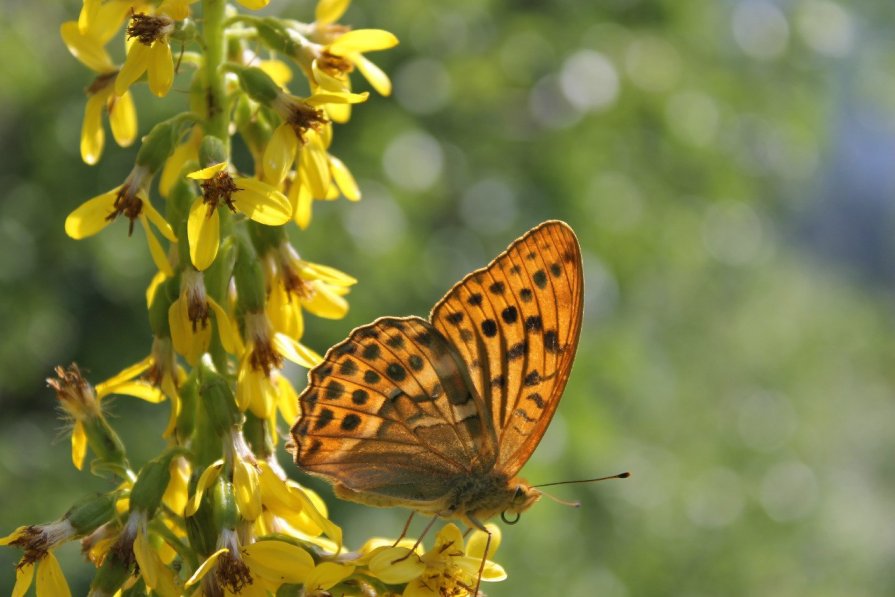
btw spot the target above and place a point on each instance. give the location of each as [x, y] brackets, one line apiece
[727, 167]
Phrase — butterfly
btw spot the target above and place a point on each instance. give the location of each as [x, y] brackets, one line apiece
[439, 416]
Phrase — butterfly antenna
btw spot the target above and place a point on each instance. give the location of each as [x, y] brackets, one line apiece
[624, 475]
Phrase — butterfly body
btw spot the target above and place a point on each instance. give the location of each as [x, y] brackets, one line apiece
[473, 499]
[440, 415]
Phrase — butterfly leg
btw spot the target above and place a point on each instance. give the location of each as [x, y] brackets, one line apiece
[418, 541]
[477, 524]
[404, 530]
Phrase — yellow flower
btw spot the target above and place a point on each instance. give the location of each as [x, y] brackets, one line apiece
[149, 53]
[148, 548]
[257, 383]
[188, 319]
[343, 49]
[446, 569]
[37, 541]
[256, 569]
[87, 46]
[295, 283]
[260, 201]
[131, 200]
[319, 175]
[151, 379]
[301, 118]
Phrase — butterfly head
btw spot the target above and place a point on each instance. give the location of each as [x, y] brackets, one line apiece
[524, 496]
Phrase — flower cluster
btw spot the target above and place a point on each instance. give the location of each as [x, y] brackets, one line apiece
[214, 513]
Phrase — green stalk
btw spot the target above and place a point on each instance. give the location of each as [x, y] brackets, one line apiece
[215, 96]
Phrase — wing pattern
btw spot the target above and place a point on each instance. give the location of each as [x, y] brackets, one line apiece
[516, 324]
[389, 406]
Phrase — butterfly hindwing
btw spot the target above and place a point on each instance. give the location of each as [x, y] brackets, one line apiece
[391, 410]
[516, 324]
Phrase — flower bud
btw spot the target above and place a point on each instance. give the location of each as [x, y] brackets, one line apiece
[218, 401]
[226, 513]
[151, 484]
[249, 276]
[164, 295]
[212, 151]
[160, 142]
[258, 84]
[92, 512]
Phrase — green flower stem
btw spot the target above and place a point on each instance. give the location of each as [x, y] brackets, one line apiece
[213, 37]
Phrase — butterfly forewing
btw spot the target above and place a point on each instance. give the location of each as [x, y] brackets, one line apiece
[516, 324]
[392, 410]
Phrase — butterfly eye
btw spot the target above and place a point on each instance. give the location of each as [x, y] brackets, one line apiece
[503, 517]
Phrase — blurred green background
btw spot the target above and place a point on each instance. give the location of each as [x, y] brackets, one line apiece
[729, 168]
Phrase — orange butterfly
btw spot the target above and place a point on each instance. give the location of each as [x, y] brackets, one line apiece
[440, 415]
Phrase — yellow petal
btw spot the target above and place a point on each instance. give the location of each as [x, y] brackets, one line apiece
[322, 97]
[229, 338]
[278, 560]
[24, 576]
[183, 153]
[208, 476]
[279, 154]
[134, 66]
[363, 40]
[50, 580]
[127, 374]
[123, 119]
[141, 389]
[326, 575]
[493, 572]
[278, 70]
[287, 399]
[261, 202]
[284, 311]
[160, 68]
[159, 257]
[295, 351]
[254, 4]
[13, 535]
[158, 220]
[90, 217]
[190, 340]
[343, 178]
[92, 135]
[203, 234]
[176, 9]
[107, 20]
[176, 495]
[78, 445]
[156, 281]
[476, 546]
[300, 196]
[313, 169]
[330, 11]
[247, 490]
[88, 13]
[146, 559]
[206, 566]
[325, 273]
[87, 49]
[327, 82]
[374, 75]
[209, 172]
[340, 113]
[326, 303]
[393, 566]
